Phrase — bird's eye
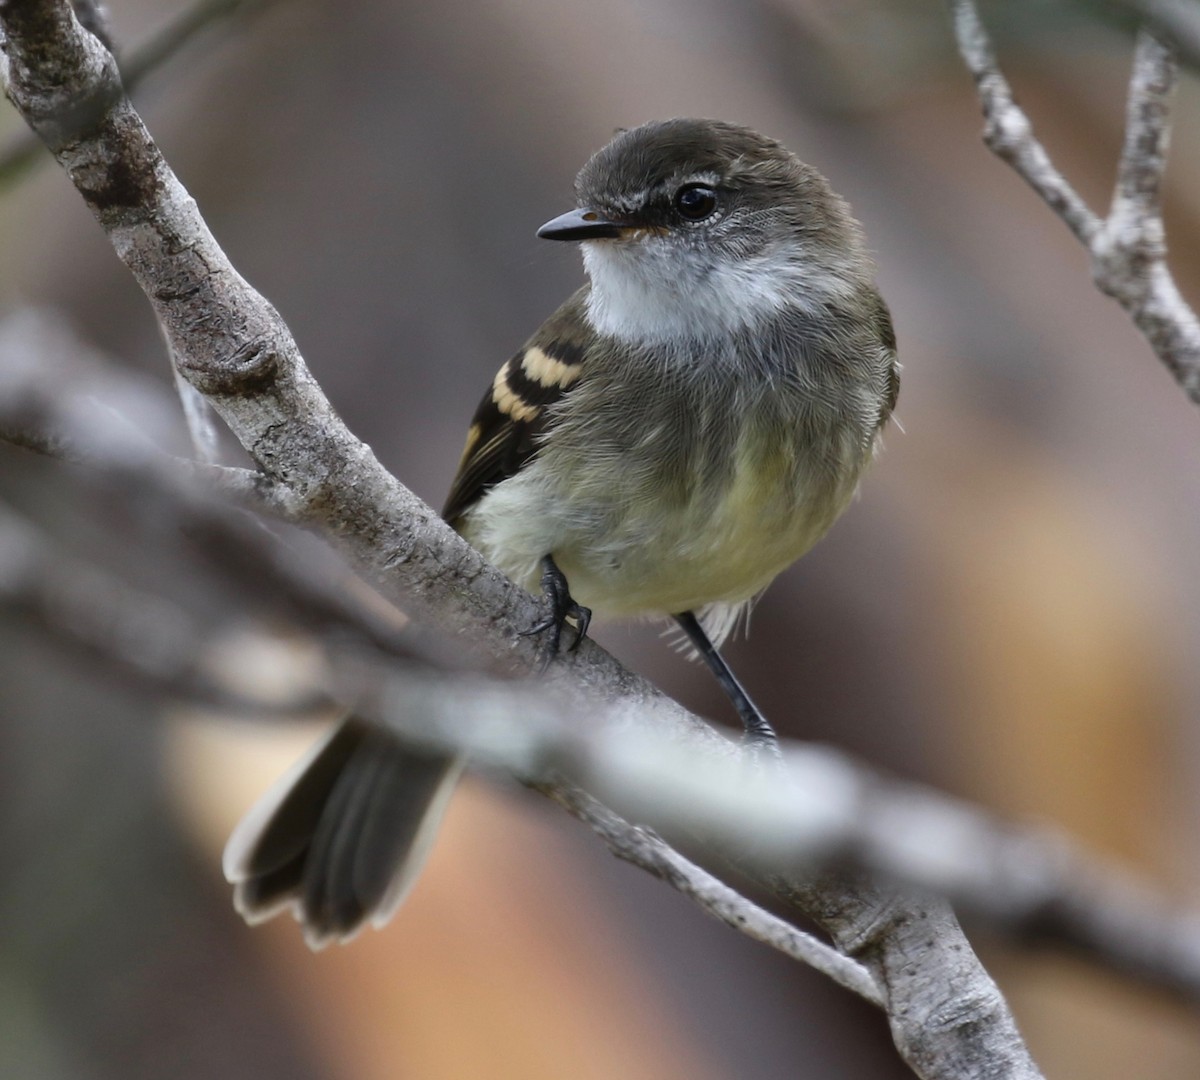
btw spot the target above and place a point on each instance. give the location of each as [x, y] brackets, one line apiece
[695, 202]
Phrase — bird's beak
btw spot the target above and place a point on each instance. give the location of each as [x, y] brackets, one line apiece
[581, 224]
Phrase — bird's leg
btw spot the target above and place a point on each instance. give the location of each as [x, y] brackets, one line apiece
[562, 608]
[759, 735]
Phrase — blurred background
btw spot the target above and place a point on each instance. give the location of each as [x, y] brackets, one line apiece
[1011, 610]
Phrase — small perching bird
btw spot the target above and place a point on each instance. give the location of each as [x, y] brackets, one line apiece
[685, 426]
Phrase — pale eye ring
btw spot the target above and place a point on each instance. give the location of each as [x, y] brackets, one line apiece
[695, 202]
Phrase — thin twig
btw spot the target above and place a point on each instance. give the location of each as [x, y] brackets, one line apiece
[248, 487]
[1007, 130]
[1138, 192]
[1128, 247]
[198, 415]
[639, 846]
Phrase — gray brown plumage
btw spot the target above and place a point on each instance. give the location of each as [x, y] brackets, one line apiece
[683, 428]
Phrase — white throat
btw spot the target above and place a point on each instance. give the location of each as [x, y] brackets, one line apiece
[645, 292]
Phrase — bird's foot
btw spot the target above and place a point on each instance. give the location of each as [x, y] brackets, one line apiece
[562, 608]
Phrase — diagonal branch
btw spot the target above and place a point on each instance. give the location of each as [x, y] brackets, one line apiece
[948, 1018]
[642, 848]
[1031, 883]
[1127, 248]
[824, 811]
[157, 647]
[1007, 131]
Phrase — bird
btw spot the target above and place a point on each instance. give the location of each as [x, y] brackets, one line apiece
[686, 425]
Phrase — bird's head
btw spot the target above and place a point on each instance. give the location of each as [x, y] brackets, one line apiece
[695, 228]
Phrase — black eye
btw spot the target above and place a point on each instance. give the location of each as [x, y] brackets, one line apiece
[695, 202]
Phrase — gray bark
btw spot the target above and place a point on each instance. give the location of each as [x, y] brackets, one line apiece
[947, 1016]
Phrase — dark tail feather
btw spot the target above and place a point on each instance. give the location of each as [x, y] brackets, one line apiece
[341, 837]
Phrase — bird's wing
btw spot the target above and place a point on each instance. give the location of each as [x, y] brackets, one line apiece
[503, 435]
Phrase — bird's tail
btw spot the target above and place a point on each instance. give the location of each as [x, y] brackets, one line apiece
[342, 836]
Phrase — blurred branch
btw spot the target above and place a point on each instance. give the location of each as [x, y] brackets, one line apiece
[245, 487]
[651, 757]
[639, 846]
[248, 487]
[147, 643]
[151, 646]
[168, 508]
[199, 418]
[155, 646]
[827, 812]
[1128, 247]
[26, 150]
[822, 812]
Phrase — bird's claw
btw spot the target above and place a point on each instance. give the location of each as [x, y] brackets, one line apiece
[562, 608]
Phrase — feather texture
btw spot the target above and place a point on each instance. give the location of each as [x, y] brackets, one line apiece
[682, 429]
[681, 477]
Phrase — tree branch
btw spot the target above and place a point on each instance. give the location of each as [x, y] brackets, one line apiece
[1128, 247]
[947, 1017]
[1033, 884]
[828, 812]
[642, 848]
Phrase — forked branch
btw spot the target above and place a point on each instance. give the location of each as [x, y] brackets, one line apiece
[1128, 247]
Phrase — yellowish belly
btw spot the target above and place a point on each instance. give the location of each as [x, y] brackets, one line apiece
[727, 554]
[649, 553]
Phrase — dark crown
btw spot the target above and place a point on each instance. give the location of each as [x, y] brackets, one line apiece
[636, 175]
[666, 152]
